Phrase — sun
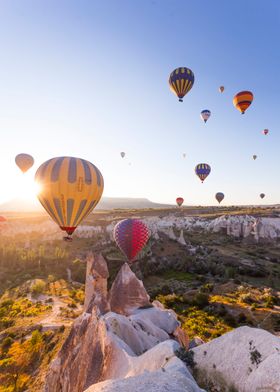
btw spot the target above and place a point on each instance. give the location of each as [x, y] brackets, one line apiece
[30, 188]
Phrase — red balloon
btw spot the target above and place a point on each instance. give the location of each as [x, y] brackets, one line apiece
[265, 131]
[131, 235]
[179, 201]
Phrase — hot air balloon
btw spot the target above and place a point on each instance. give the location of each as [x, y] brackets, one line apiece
[219, 197]
[184, 155]
[181, 81]
[254, 157]
[262, 195]
[70, 188]
[221, 89]
[202, 170]
[265, 131]
[131, 235]
[24, 162]
[243, 100]
[205, 114]
[179, 201]
[122, 154]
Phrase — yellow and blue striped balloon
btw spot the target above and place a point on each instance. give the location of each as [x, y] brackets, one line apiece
[70, 188]
[202, 170]
[181, 81]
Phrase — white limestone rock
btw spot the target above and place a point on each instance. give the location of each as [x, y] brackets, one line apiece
[247, 359]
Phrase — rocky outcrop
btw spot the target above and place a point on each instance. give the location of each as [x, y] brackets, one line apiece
[181, 238]
[127, 292]
[96, 284]
[239, 226]
[108, 346]
[245, 359]
[173, 376]
[247, 226]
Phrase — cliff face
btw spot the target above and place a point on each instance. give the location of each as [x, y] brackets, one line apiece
[107, 345]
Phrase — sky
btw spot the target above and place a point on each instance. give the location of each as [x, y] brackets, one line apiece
[90, 79]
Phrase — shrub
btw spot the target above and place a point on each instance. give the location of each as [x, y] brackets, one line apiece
[186, 357]
[230, 320]
[269, 301]
[6, 343]
[207, 288]
[38, 287]
[201, 300]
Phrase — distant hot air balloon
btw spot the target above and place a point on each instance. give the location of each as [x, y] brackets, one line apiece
[70, 188]
[181, 81]
[184, 155]
[24, 162]
[265, 131]
[219, 197]
[131, 235]
[254, 157]
[202, 170]
[179, 201]
[205, 114]
[262, 195]
[122, 154]
[221, 89]
[243, 100]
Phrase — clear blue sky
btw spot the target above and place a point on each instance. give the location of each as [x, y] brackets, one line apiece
[89, 79]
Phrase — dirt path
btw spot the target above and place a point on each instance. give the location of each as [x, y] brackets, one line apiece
[53, 318]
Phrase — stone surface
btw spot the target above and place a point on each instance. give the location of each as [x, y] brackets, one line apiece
[138, 334]
[110, 345]
[163, 380]
[182, 337]
[247, 359]
[164, 319]
[127, 292]
[96, 283]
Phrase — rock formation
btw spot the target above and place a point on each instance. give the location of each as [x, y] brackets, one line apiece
[96, 283]
[245, 359]
[172, 376]
[137, 341]
[127, 292]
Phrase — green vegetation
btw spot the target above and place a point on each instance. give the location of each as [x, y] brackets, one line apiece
[21, 358]
[178, 275]
[196, 320]
[224, 284]
[13, 310]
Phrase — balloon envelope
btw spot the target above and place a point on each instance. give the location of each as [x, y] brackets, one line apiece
[220, 196]
[262, 195]
[131, 235]
[221, 89]
[24, 162]
[202, 170]
[243, 100]
[179, 201]
[184, 155]
[265, 131]
[205, 114]
[122, 154]
[181, 81]
[254, 157]
[70, 188]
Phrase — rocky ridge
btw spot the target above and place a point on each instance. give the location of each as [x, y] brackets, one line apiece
[238, 226]
[137, 338]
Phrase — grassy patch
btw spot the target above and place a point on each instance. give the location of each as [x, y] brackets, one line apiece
[178, 275]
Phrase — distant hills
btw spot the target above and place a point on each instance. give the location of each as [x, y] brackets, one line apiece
[107, 203]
